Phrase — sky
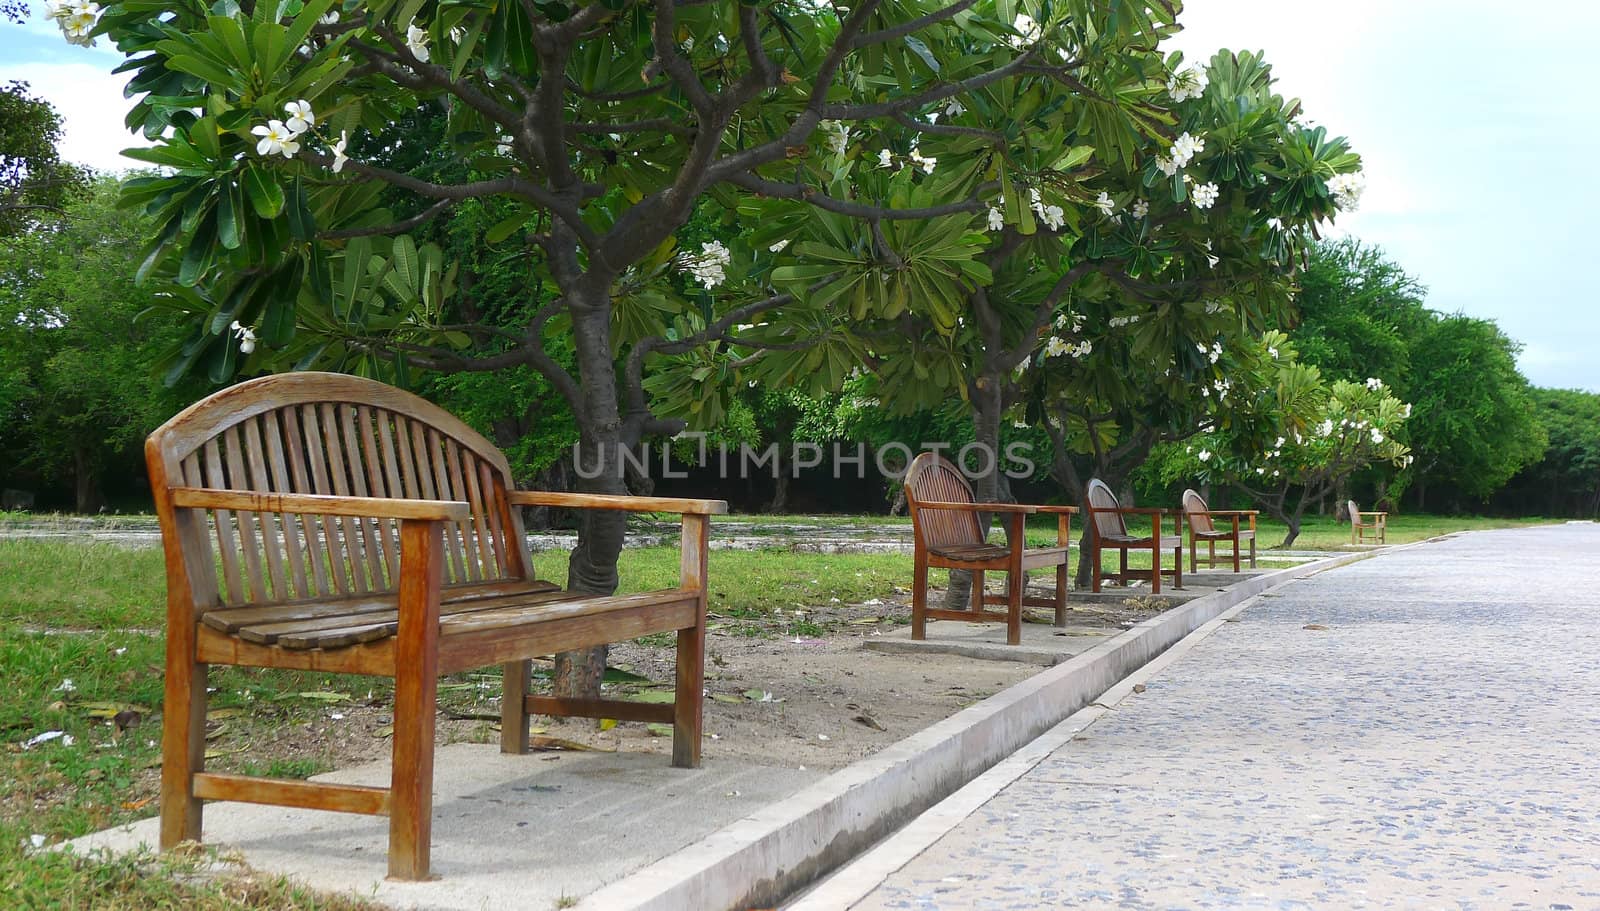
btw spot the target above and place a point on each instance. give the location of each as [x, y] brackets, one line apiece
[1477, 122]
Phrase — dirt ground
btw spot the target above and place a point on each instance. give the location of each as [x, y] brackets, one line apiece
[819, 702]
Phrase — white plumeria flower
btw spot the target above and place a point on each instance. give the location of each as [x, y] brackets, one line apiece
[276, 139]
[1190, 82]
[997, 219]
[1167, 166]
[1374, 383]
[1275, 223]
[1205, 196]
[710, 266]
[339, 158]
[1054, 347]
[457, 34]
[1185, 148]
[1053, 217]
[1140, 208]
[417, 42]
[924, 162]
[301, 117]
[1325, 428]
[1105, 203]
[954, 108]
[1407, 410]
[1347, 190]
[331, 17]
[1377, 437]
[1205, 455]
[838, 136]
[778, 247]
[56, 10]
[885, 158]
[1272, 351]
[1082, 348]
[246, 337]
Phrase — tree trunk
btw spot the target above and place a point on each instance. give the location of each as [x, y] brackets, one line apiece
[592, 566]
[985, 486]
[87, 484]
[780, 493]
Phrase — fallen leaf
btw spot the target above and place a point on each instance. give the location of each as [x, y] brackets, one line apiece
[139, 804]
[218, 731]
[109, 710]
[219, 714]
[324, 696]
[866, 621]
[607, 724]
[659, 730]
[654, 697]
[1313, 626]
[1138, 687]
[218, 754]
[870, 722]
[724, 697]
[385, 731]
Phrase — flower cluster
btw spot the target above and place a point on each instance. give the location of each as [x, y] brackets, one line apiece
[1185, 148]
[282, 137]
[1347, 190]
[1053, 216]
[77, 19]
[1374, 383]
[710, 266]
[1055, 346]
[1205, 196]
[1189, 82]
[1117, 322]
[1106, 205]
[838, 133]
[1140, 208]
[417, 42]
[1027, 32]
[1214, 352]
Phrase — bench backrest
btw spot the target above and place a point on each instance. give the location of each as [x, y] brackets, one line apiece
[1355, 512]
[1101, 497]
[1196, 511]
[931, 479]
[324, 433]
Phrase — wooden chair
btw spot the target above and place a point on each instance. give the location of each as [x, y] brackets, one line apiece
[1367, 524]
[1108, 527]
[359, 529]
[948, 535]
[1202, 528]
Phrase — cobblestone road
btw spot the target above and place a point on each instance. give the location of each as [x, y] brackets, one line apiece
[1437, 745]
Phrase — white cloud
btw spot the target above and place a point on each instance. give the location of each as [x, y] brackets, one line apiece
[89, 99]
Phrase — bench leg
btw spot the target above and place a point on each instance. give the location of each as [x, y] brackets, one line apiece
[1252, 553]
[416, 696]
[514, 706]
[689, 698]
[919, 596]
[1236, 555]
[183, 743]
[977, 592]
[1061, 593]
[1094, 564]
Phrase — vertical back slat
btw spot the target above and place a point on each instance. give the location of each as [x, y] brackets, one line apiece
[271, 544]
[227, 544]
[392, 488]
[484, 488]
[353, 539]
[425, 447]
[316, 548]
[247, 520]
[464, 486]
[317, 461]
[294, 554]
[358, 450]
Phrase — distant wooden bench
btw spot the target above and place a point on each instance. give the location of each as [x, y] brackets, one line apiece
[1108, 527]
[944, 523]
[1364, 525]
[1202, 527]
[335, 524]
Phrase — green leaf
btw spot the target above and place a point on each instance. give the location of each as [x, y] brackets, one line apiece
[262, 188]
[230, 228]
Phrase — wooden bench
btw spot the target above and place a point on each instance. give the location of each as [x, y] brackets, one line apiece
[331, 523]
[1108, 527]
[1202, 527]
[1364, 525]
[944, 523]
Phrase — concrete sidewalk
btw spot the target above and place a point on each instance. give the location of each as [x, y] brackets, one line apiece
[1418, 730]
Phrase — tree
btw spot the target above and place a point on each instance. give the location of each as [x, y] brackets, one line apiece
[596, 128]
[1475, 424]
[1358, 314]
[1566, 481]
[1299, 440]
[34, 181]
[76, 390]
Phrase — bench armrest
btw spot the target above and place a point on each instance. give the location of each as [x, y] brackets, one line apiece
[628, 504]
[1371, 513]
[978, 507]
[1132, 510]
[1058, 510]
[321, 504]
[1229, 512]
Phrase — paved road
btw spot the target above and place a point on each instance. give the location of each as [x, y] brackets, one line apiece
[1436, 746]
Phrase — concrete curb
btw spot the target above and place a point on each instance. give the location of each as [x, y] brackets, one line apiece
[777, 851]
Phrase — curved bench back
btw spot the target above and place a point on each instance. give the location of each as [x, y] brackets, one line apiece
[1100, 497]
[325, 433]
[931, 479]
[1196, 511]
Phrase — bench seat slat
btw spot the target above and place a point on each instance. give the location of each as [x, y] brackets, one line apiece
[231, 619]
[321, 631]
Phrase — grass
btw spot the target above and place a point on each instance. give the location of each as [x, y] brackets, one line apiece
[81, 645]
